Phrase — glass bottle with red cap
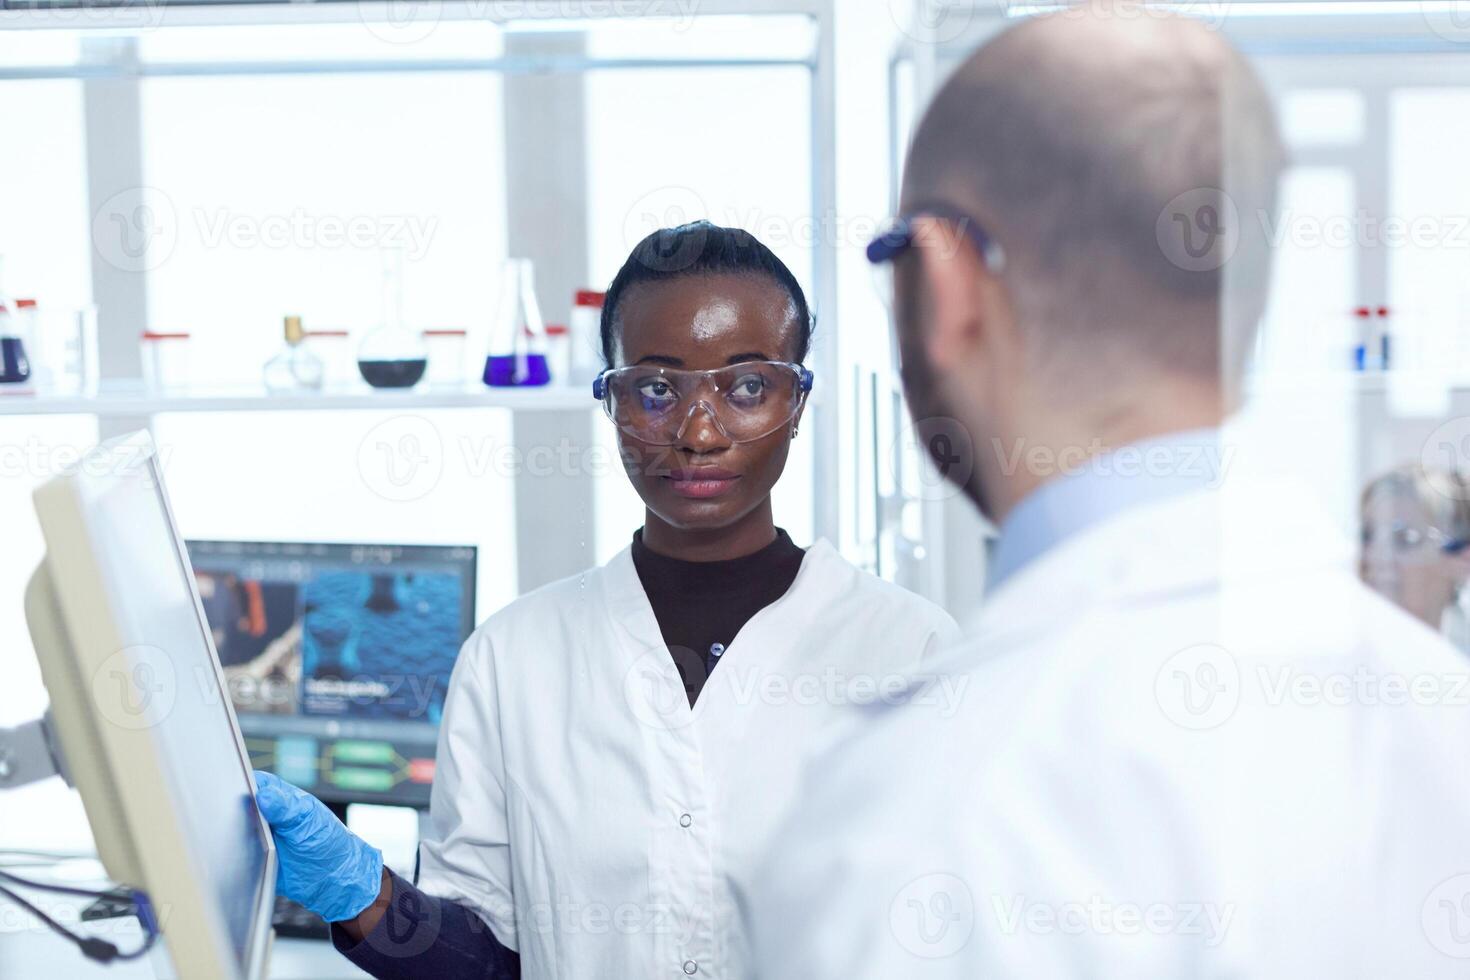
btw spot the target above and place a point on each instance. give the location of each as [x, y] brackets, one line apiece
[165, 355]
[585, 340]
[15, 363]
[27, 328]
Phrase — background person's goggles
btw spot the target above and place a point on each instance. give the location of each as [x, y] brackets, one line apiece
[747, 401]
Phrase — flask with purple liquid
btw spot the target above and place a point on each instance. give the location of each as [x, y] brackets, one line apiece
[517, 356]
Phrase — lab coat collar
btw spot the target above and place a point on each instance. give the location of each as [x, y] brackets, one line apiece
[822, 572]
[1106, 484]
[1240, 535]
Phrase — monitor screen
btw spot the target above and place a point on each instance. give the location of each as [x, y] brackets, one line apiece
[338, 657]
[157, 698]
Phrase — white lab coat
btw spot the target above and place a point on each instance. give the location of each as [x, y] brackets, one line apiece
[596, 821]
[1190, 746]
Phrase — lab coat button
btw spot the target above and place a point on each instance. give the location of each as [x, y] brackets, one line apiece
[685, 820]
[716, 649]
[690, 967]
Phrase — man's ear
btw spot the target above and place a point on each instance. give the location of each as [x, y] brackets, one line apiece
[952, 274]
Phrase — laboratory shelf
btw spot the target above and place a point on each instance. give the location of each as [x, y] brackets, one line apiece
[121, 400]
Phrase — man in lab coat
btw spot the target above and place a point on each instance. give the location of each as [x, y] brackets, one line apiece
[1192, 744]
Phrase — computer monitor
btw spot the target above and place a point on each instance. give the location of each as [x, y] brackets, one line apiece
[140, 711]
[338, 658]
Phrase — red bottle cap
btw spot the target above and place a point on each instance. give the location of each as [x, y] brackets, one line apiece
[590, 297]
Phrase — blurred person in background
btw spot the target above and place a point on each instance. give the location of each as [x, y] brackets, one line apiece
[1416, 545]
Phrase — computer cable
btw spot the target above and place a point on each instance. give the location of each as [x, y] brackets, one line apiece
[39, 859]
[92, 947]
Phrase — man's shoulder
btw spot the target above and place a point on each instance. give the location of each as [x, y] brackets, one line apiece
[1172, 692]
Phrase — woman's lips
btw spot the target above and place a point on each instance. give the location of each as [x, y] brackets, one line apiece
[702, 483]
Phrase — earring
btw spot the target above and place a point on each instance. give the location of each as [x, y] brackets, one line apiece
[793, 432]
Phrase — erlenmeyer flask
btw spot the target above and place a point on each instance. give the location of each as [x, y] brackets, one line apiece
[517, 355]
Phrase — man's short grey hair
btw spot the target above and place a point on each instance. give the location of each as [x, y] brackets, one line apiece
[1107, 157]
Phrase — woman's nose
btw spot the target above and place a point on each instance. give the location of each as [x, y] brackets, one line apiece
[702, 431]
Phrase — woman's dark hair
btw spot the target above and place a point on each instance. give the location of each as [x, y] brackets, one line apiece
[701, 248]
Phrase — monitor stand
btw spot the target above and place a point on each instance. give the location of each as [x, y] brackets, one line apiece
[30, 753]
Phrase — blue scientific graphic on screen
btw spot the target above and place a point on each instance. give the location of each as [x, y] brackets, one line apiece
[338, 657]
[379, 645]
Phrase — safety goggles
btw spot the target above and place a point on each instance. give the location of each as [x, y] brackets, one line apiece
[745, 401]
[1402, 537]
[903, 232]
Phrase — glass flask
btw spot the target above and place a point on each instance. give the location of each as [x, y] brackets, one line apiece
[517, 356]
[15, 361]
[392, 356]
[15, 364]
[295, 367]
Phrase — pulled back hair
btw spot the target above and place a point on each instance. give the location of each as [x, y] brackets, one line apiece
[701, 248]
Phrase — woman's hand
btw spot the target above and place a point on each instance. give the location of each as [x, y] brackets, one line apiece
[320, 863]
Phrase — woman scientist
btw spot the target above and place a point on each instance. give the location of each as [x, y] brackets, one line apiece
[1416, 546]
[617, 747]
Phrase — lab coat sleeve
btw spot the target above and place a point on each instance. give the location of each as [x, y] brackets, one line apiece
[423, 936]
[465, 855]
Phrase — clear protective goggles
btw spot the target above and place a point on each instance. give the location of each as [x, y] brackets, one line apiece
[1401, 537]
[747, 401]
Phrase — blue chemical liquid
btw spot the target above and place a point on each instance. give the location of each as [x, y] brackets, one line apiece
[15, 367]
[514, 370]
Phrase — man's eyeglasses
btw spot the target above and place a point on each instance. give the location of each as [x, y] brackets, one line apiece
[902, 234]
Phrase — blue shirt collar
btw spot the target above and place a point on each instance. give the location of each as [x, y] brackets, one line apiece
[1089, 492]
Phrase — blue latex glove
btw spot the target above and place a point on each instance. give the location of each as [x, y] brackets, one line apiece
[319, 862]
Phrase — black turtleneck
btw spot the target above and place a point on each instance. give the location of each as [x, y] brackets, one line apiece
[701, 605]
